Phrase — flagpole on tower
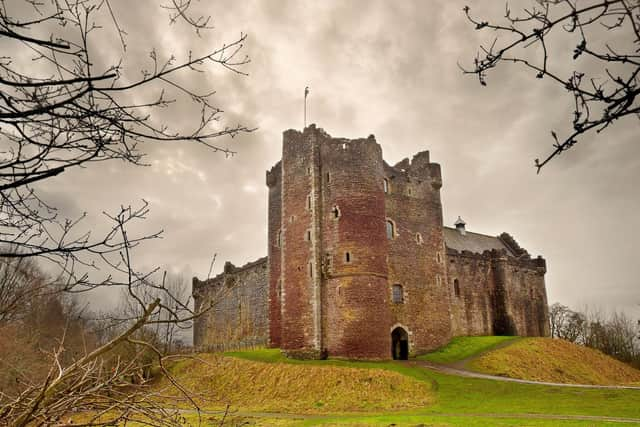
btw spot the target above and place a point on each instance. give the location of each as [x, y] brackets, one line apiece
[306, 93]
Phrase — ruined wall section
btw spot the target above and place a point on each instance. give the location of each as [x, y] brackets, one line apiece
[239, 308]
[471, 290]
[356, 322]
[416, 258]
[274, 237]
[300, 297]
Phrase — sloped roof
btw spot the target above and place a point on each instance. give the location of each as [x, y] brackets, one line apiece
[473, 242]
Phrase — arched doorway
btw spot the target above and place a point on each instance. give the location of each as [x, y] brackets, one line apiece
[399, 344]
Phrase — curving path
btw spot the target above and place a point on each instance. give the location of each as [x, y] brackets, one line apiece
[450, 370]
[288, 416]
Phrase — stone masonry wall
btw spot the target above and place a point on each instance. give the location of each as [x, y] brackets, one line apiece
[355, 309]
[274, 239]
[300, 297]
[416, 253]
[497, 294]
[239, 313]
[472, 306]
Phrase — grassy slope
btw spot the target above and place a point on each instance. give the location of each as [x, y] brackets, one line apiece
[253, 386]
[461, 348]
[458, 395]
[545, 359]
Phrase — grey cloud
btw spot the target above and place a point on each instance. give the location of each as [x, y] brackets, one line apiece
[389, 69]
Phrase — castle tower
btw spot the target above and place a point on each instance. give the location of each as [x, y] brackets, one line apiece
[356, 320]
[328, 270]
[416, 253]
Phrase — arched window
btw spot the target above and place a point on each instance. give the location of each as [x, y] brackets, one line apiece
[397, 294]
[419, 238]
[336, 212]
[391, 229]
[385, 185]
[347, 257]
[456, 287]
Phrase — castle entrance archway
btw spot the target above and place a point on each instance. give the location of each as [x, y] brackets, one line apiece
[399, 344]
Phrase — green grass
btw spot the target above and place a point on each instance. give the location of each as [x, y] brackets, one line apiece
[271, 355]
[460, 396]
[461, 348]
[382, 420]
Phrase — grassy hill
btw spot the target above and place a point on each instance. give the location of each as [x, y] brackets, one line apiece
[258, 386]
[552, 360]
[461, 348]
[266, 389]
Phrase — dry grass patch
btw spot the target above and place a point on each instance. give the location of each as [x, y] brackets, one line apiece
[278, 387]
[553, 360]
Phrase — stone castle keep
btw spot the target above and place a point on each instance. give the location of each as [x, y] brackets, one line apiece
[360, 266]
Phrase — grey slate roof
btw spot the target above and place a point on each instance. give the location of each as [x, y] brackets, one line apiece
[473, 242]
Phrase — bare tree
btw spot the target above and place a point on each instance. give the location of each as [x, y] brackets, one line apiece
[605, 80]
[21, 282]
[64, 106]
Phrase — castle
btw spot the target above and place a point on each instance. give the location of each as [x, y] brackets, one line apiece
[360, 265]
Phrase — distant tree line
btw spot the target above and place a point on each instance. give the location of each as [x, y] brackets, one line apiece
[42, 327]
[616, 335]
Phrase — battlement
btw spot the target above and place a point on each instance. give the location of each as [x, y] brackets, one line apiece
[511, 243]
[229, 268]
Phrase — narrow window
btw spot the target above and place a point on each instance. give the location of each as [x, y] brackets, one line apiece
[344, 146]
[347, 257]
[409, 191]
[397, 295]
[385, 184]
[309, 202]
[328, 177]
[438, 282]
[308, 236]
[279, 239]
[308, 171]
[438, 258]
[391, 232]
[310, 270]
[336, 212]
[419, 238]
[279, 289]
[456, 287]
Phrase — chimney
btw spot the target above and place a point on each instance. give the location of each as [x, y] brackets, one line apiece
[460, 226]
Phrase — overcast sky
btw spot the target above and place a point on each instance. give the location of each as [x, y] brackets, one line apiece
[388, 69]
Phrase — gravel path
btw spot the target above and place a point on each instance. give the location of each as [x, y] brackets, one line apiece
[470, 374]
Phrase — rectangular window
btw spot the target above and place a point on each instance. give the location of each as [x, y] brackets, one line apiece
[397, 295]
[391, 232]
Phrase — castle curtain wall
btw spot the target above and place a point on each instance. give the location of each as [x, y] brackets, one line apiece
[497, 294]
[236, 308]
[472, 289]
